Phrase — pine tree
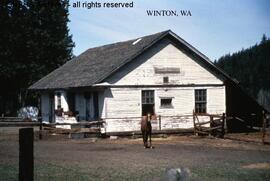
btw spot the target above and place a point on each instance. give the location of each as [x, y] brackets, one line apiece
[12, 52]
[34, 40]
[51, 43]
[251, 67]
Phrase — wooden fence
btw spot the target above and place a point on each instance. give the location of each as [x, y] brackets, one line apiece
[14, 122]
[160, 123]
[214, 126]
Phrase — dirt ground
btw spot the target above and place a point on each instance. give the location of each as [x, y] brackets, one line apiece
[207, 158]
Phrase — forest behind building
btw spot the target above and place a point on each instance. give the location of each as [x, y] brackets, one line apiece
[251, 67]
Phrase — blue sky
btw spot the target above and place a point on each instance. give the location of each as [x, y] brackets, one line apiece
[215, 27]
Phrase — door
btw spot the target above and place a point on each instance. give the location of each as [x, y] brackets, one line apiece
[148, 102]
[71, 102]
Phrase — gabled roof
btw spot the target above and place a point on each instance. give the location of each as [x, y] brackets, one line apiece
[96, 64]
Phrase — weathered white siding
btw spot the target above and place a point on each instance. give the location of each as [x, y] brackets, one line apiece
[122, 102]
[216, 100]
[64, 103]
[120, 125]
[163, 55]
[126, 102]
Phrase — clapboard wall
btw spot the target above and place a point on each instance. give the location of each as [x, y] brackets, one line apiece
[165, 54]
[141, 74]
[126, 102]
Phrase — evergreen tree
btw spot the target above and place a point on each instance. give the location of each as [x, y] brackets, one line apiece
[51, 45]
[252, 68]
[12, 52]
[34, 40]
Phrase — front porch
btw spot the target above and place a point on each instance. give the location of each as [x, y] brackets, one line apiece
[71, 106]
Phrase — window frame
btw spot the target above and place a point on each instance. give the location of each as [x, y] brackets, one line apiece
[169, 106]
[200, 96]
[148, 97]
[165, 80]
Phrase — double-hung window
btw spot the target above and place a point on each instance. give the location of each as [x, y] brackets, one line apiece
[148, 97]
[148, 102]
[200, 101]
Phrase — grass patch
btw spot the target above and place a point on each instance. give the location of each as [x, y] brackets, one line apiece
[231, 173]
[48, 171]
[8, 172]
[44, 171]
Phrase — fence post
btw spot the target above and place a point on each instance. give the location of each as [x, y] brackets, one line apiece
[222, 126]
[263, 127]
[159, 121]
[212, 132]
[194, 122]
[26, 158]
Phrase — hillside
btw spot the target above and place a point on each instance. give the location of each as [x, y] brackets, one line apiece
[251, 67]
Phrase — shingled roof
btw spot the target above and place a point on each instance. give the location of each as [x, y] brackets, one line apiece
[95, 64]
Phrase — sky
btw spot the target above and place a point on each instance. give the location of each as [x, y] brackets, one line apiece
[216, 27]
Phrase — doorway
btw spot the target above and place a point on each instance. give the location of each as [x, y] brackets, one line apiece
[71, 102]
[148, 102]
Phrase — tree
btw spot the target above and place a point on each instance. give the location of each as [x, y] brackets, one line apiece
[12, 50]
[251, 67]
[264, 39]
[34, 40]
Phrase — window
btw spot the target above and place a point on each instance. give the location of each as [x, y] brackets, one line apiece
[148, 102]
[166, 103]
[148, 97]
[200, 101]
[165, 80]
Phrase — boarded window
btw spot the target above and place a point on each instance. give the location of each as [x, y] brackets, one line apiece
[165, 80]
[167, 70]
[166, 103]
[200, 101]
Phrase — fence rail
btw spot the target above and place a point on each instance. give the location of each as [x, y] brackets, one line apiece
[216, 125]
[21, 123]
